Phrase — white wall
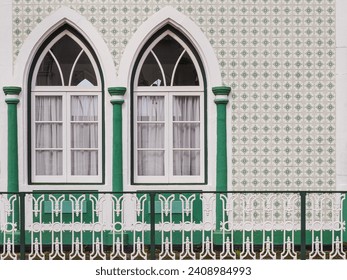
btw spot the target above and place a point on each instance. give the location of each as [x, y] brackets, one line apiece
[20, 76]
[207, 54]
[5, 80]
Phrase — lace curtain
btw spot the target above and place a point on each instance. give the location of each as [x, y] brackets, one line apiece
[151, 143]
[83, 135]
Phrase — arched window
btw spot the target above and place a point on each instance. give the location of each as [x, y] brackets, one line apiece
[168, 112]
[65, 112]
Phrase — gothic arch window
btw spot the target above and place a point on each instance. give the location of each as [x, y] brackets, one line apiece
[168, 105]
[65, 112]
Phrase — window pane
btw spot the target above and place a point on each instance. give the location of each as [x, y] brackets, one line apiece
[84, 74]
[151, 163]
[168, 51]
[84, 163]
[186, 74]
[84, 108]
[186, 163]
[49, 135]
[48, 117]
[84, 135]
[186, 108]
[150, 74]
[186, 135]
[66, 51]
[48, 73]
[48, 108]
[150, 108]
[150, 135]
[49, 162]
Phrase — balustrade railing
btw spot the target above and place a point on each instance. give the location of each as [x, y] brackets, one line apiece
[173, 225]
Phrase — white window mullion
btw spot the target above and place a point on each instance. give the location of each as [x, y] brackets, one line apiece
[202, 135]
[40, 123]
[147, 175]
[168, 138]
[99, 137]
[136, 148]
[51, 135]
[175, 67]
[33, 137]
[169, 149]
[78, 153]
[73, 66]
[160, 66]
[187, 92]
[67, 136]
[59, 68]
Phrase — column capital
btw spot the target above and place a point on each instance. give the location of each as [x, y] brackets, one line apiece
[117, 101]
[117, 95]
[117, 91]
[221, 101]
[12, 100]
[12, 90]
[221, 90]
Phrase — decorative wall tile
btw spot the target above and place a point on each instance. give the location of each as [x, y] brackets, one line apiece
[277, 55]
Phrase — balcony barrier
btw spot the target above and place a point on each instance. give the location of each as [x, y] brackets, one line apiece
[173, 225]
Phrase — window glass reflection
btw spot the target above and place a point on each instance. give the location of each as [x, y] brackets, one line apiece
[186, 74]
[84, 74]
[150, 74]
[167, 64]
[66, 51]
[48, 74]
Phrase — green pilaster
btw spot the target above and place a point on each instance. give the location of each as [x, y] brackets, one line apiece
[12, 100]
[221, 101]
[117, 101]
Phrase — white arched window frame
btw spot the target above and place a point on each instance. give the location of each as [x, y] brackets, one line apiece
[77, 162]
[173, 167]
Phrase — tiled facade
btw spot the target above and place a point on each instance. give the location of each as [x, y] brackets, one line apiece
[278, 56]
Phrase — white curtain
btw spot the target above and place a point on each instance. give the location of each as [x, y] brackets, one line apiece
[186, 135]
[49, 138]
[150, 136]
[49, 135]
[84, 135]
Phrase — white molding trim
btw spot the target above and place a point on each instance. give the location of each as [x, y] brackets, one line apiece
[341, 95]
[32, 43]
[6, 44]
[6, 64]
[197, 38]
[169, 15]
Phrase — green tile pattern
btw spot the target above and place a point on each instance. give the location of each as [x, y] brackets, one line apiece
[277, 55]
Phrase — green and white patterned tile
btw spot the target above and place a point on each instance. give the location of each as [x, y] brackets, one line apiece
[277, 55]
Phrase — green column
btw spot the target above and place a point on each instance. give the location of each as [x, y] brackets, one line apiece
[117, 101]
[221, 101]
[12, 100]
